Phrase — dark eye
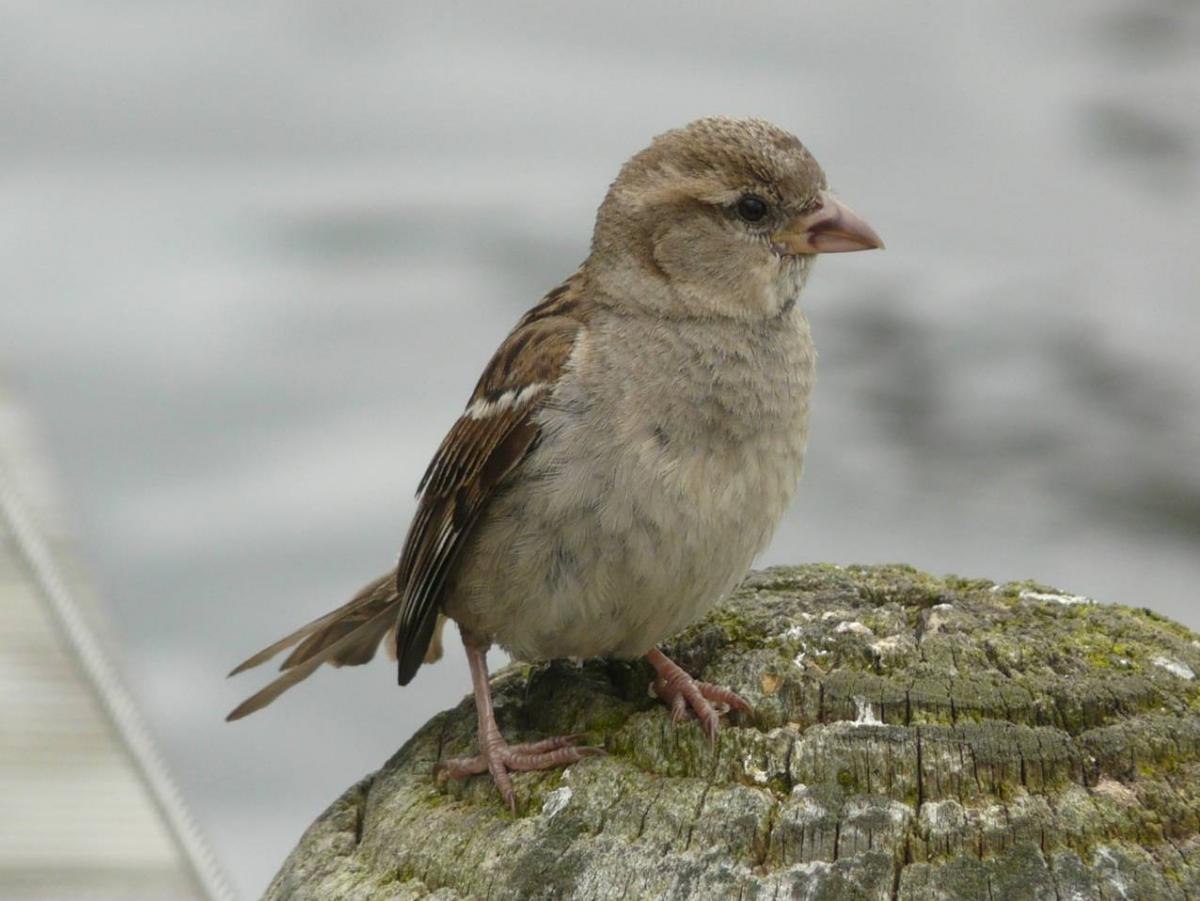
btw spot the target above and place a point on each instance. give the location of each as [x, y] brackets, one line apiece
[751, 208]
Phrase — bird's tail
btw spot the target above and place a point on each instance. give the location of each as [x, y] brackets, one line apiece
[347, 636]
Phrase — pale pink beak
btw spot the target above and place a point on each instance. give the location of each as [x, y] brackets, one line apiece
[831, 227]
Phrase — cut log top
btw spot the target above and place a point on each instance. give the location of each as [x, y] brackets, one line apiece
[913, 737]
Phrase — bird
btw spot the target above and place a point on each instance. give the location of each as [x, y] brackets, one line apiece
[628, 450]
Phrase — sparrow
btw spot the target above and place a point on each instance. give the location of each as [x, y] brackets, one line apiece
[628, 450]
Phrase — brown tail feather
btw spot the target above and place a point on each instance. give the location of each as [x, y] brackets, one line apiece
[368, 633]
[382, 595]
[370, 592]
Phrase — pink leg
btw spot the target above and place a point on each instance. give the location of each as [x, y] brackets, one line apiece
[495, 755]
[680, 691]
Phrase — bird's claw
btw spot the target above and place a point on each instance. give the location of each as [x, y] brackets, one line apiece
[682, 693]
[499, 758]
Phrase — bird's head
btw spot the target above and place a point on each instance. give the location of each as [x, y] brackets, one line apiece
[724, 217]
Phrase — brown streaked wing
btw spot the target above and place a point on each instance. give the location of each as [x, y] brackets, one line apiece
[480, 452]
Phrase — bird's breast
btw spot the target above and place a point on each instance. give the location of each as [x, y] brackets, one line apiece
[667, 459]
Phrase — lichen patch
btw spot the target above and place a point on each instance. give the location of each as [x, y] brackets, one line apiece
[852, 626]
[556, 801]
[1065, 599]
[1175, 667]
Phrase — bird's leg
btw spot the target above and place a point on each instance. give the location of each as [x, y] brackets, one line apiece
[679, 691]
[497, 756]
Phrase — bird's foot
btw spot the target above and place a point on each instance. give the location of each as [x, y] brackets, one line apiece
[498, 757]
[681, 692]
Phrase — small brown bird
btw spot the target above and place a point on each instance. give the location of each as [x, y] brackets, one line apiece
[630, 447]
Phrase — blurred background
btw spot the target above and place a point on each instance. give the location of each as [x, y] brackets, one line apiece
[254, 256]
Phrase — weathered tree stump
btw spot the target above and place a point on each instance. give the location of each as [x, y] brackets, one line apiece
[913, 737]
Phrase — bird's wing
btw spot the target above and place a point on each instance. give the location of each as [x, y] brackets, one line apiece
[483, 448]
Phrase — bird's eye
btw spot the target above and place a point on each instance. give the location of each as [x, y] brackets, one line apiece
[751, 208]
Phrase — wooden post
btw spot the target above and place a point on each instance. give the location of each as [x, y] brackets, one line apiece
[914, 737]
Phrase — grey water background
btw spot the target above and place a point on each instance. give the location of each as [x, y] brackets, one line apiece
[254, 256]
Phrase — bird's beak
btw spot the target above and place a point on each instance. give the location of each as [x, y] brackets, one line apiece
[831, 227]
